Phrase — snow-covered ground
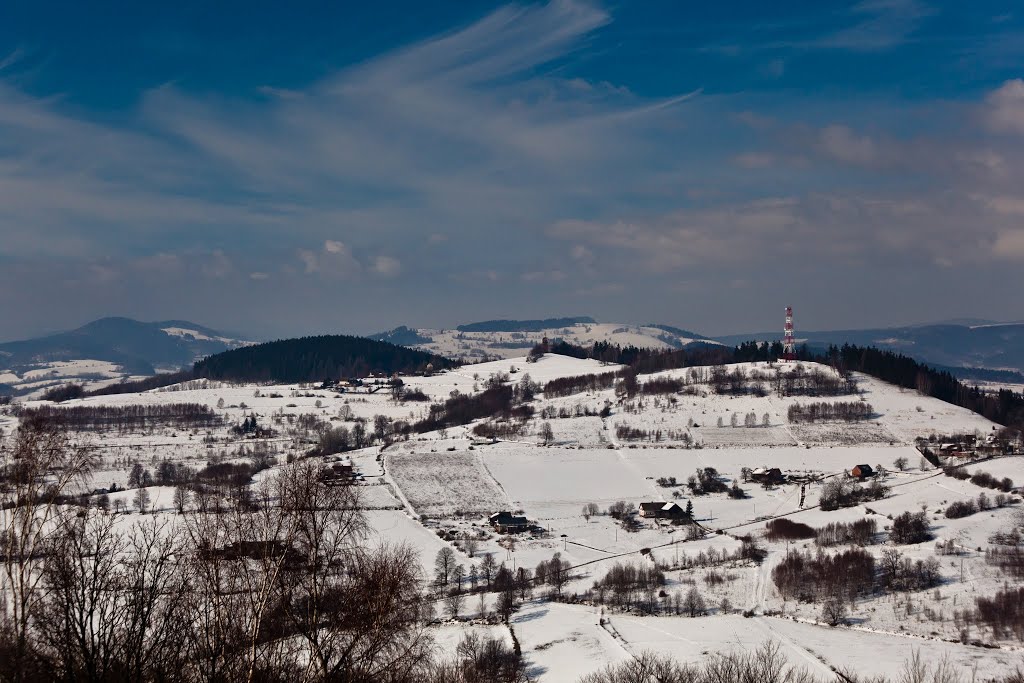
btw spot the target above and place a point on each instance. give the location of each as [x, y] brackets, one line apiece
[34, 380]
[435, 490]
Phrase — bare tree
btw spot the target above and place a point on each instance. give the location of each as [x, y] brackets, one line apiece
[234, 572]
[141, 500]
[546, 433]
[181, 498]
[453, 603]
[39, 465]
[487, 569]
[693, 603]
[833, 612]
[558, 573]
[444, 563]
[458, 574]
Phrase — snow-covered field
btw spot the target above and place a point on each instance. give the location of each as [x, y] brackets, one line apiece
[436, 489]
[445, 483]
[34, 380]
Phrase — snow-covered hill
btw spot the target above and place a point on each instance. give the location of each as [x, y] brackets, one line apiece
[434, 490]
[471, 342]
[106, 351]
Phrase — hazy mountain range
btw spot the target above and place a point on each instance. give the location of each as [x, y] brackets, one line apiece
[112, 349]
[961, 345]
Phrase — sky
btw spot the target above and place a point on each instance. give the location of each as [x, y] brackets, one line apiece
[344, 167]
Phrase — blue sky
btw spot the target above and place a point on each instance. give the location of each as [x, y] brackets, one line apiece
[345, 167]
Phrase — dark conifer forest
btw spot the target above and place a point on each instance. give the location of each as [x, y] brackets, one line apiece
[315, 359]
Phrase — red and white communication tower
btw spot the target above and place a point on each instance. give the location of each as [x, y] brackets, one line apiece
[788, 344]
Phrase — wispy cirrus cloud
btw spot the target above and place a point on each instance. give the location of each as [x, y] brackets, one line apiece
[463, 130]
[477, 165]
[878, 25]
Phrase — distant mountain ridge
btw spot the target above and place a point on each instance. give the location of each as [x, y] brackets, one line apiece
[512, 338]
[139, 346]
[961, 345]
[524, 325]
[982, 344]
[123, 346]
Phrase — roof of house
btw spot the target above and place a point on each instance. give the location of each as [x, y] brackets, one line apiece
[668, 507]
[507, 518]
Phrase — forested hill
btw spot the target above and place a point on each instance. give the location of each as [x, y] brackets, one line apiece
[314, 359]
[1004, 406]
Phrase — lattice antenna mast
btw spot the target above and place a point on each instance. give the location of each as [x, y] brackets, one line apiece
[788, 343]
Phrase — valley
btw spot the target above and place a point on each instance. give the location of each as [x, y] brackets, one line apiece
[578, 466]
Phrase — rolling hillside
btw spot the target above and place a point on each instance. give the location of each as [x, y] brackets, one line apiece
[512, 338]
[981, 345]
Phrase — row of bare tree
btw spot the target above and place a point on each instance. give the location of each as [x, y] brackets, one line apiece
[123, 418]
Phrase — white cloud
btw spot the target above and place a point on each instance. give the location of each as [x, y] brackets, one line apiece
[885, 24]
[582, 255]
[1005, 107]
[310, 261]
[1010, 245]
[387, 266]
[843, 144]
[478, 138]
[334, 260]
[827, 228]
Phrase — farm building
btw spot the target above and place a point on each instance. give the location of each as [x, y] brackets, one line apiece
[661, 510]
[506, 523]
[770, 475]
[862, 472]
[338, 474]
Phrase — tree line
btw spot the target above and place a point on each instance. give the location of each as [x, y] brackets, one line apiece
[823, 411]
[123, 418]
[1005, 406]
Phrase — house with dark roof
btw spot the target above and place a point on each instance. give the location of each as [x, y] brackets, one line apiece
[338, 474]
[770, 475]
[506, 523]
[862, 472]
[661, 510]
